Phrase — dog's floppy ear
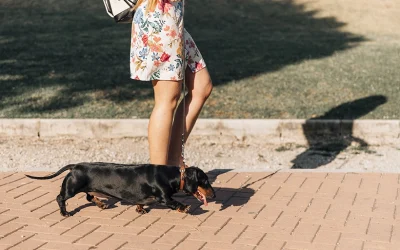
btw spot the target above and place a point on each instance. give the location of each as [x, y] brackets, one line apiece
[191, 181]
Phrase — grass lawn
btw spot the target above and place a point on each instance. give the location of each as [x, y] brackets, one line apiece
[268, 59]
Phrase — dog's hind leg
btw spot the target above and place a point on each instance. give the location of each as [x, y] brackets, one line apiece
[98, 202]
[69, 189]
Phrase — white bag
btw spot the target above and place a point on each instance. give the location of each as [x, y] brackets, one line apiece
[120, 10]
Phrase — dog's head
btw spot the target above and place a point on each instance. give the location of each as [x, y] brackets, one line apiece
[197, 184]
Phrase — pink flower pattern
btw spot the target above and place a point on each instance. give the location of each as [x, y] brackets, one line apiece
[157, 47]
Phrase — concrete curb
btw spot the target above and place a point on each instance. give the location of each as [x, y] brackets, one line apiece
[377, 132]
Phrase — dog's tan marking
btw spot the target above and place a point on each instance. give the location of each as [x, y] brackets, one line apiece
[99, 195]
[140, 209]
[185, 209]
[99, 203]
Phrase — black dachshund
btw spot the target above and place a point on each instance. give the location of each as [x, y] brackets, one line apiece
[139, 184]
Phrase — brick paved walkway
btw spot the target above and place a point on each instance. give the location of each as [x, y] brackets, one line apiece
[252, 211]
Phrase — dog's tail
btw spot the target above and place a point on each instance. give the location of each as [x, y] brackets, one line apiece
[68, 167]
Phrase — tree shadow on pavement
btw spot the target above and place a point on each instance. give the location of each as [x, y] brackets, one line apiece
[326, 142]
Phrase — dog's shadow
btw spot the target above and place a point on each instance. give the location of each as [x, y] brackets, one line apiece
[225, 197]
[110, 202]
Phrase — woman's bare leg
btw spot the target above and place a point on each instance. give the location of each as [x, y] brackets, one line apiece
[199, 88]
[166, 96]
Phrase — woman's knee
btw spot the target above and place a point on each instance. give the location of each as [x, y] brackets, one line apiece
[203, 89]
[167, 96]
[204, 92]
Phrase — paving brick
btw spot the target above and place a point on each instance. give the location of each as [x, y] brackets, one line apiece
[349, 244]
[249, 238]
[356, 222]
[211, 237]
[295, 180]
[257, 180]
[267, 190]
[317, 206]
[68, 223]
[147, 246]
[171, 238]
[271, 244]
[7, 218]
[286, 221]
[383, 210]
[25, 199]
[293, 245]
[305, 231]
[29, 244]
[15, 238]
[93, 238]
[137, 239]
[387, 192]
[128, 215]
[55, 237]
[111, 244]
[32, 221]
[80, 230]
[379, 232]
[43, 229]
[285, 194]
[328, 188]
[252, 208]
[326, 237]
[374, 245]
[26, 213]
[319, 246]
[157, 230]
[63, 246]
[107, 221]
[231, 229]
[53, 217]
[48, 199]
[143, 221]
[189, 221]
[16, 179]
[311, 185]
[236, 181]
[252, 222]
[222, 246]
[338, 213]
[351, 181]
[299, 202]
[23, 188]
[9, 228]
[190, 244]
[215, 221]
[119, 230]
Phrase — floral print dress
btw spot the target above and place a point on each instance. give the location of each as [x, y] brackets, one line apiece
[157, 46]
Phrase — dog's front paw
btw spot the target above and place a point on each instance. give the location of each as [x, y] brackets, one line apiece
[184, 209]
[140, 209]
[103, 206]
[65, 214]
